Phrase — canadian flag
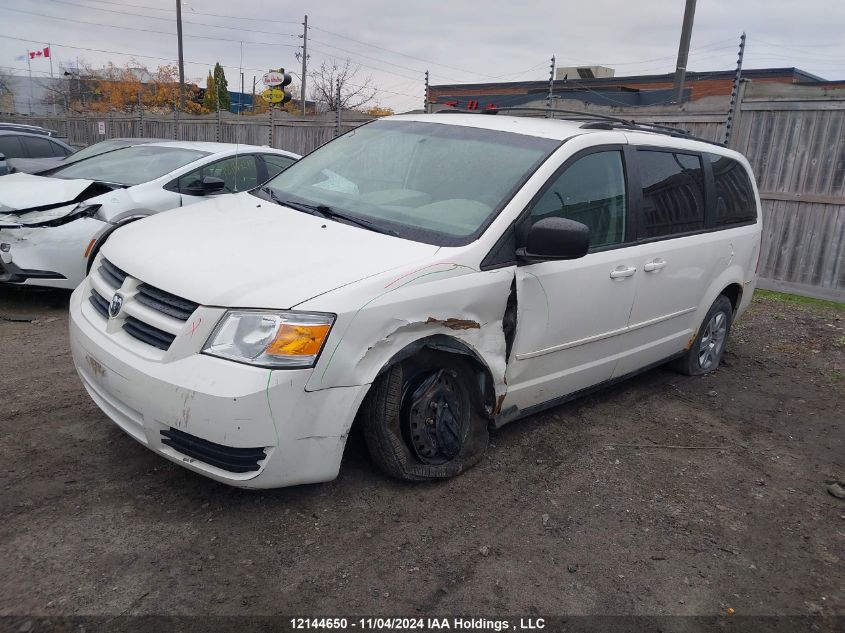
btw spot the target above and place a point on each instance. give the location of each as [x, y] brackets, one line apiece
[44, 52]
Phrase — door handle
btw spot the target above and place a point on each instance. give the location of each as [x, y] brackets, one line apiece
[654, 265]
[622, 271]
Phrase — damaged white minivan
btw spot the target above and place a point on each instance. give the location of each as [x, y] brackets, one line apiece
[430, 276]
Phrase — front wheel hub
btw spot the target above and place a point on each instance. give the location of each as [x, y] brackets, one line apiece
[433, 417]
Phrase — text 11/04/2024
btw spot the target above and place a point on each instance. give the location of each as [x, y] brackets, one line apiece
[417, 624]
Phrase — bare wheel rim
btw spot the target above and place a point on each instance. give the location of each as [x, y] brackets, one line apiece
[712, 340]
[434, 417]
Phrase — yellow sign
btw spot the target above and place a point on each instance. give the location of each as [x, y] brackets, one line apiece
[274, 95]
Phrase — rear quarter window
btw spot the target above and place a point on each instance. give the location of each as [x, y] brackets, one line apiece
[735, 202]
[10, 147]
[38, 147]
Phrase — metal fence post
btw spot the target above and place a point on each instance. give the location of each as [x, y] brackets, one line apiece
[140, 116]
[272, 131]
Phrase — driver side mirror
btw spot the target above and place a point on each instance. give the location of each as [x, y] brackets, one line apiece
[555, 238]
[207, 186]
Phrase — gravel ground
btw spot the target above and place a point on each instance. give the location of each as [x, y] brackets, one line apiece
[568, 512]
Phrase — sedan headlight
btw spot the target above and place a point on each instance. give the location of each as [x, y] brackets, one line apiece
[284, 339]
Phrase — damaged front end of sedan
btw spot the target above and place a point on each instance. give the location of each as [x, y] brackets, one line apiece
[38, 218]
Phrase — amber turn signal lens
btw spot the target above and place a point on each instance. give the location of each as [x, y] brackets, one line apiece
[298, 340]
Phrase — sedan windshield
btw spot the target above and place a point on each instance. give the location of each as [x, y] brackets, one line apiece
[130, 165]
[432, 182]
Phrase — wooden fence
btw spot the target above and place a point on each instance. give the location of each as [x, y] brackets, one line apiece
[277, 130]
[794, 137]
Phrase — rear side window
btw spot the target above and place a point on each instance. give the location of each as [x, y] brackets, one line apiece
[591, 191]
[735, 202]
[10, 147]
[673, 193]
[38, 147]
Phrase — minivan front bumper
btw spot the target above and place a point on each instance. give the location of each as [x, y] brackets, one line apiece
[237, 424]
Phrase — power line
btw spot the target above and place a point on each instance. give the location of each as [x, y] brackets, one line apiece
[389, 72]
[358, 54]
[382, 48]
[132, 28]
[170, 20]
[128, 54]
[216, 15]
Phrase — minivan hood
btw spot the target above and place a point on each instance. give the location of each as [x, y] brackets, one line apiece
[241, 251]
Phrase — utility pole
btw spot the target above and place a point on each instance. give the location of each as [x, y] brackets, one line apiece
[181, 56]
[29, 68]
[683, 51]
[426, 102]
[551, 86]
[729, 123]
[304, 62]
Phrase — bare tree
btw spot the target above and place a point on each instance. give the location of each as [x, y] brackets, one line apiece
[354, 93]
[7, 95]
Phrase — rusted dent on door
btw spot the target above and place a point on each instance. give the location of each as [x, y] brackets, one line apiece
[455, 324]
[691, 341]
[499, 400]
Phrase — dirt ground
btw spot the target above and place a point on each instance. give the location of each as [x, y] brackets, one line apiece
[563, 516]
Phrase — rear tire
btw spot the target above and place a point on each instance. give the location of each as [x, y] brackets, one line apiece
[421, 420]
[707, 349]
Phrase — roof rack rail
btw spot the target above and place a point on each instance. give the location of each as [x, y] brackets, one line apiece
[594, 121]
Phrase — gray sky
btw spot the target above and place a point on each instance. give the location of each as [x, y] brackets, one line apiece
[456, 40]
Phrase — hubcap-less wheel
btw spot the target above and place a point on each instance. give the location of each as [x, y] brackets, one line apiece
[712, 340]
[434, 421]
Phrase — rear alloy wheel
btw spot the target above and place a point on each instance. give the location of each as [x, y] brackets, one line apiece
[421, 419]
[706, 350]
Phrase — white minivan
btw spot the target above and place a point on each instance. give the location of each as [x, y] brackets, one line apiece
[429, 276]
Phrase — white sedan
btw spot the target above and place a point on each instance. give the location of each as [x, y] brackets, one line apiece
[51, 228]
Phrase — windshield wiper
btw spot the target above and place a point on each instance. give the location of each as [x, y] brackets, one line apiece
[273, 197]
[328, 212]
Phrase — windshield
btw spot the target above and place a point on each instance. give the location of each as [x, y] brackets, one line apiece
[130, 165]
[97, 148]
[431, 182]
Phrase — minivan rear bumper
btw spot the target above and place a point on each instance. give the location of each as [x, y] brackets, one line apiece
[237, 424]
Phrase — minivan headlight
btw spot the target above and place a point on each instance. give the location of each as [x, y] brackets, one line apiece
[284, 339]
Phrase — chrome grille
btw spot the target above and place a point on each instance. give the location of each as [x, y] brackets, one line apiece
[166, 303]
[99, 303]
[140, 303]
[147, 333]
[113, 275]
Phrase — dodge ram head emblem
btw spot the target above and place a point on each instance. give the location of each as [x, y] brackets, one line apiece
[115, 305]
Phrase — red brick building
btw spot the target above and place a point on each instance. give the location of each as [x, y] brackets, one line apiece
[634, 90]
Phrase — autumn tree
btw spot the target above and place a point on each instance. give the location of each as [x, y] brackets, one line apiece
[130, 88]
[354, 92]
[377, 111]
[209, 99]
